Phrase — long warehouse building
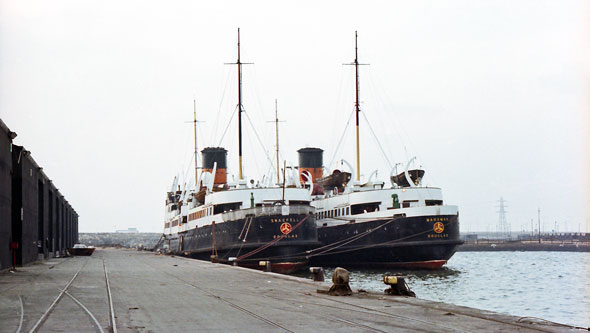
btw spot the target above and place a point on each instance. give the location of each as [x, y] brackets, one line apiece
[36, 221]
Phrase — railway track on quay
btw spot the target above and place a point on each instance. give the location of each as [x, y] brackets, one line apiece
[395, 322]
[84, 304]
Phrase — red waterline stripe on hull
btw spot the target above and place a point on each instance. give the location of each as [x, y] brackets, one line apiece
[287, 267]
[279, 267]
[430, 264]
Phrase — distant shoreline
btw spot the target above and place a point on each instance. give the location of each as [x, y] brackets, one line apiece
[489, 246]
[148, 240]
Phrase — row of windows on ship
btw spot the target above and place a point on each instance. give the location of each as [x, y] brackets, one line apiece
[200, 213]
[367, 207]
[332, 213]
[192, 216]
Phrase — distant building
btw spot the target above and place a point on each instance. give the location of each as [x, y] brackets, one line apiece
[128, 231]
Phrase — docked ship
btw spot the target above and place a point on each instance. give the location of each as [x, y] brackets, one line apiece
[239, 222]
[371, 224]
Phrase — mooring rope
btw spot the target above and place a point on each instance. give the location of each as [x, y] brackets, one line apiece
[247, 222]
[359, 236]
[332, 246]
[309, 254]
[162, 238]
[274, 241]
[352, 238]
[377, 244]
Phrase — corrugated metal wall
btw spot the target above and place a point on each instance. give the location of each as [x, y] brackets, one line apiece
[32, 211]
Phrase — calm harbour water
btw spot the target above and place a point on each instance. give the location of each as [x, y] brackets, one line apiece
[550, 285]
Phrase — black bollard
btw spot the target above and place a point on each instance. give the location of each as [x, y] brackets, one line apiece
[397, 286]
[318, 273]
[265, 265]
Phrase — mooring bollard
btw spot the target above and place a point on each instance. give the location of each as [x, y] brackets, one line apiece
[265, 264]
[397, 286]
[233, 261]
[318, 273]
[340, 278]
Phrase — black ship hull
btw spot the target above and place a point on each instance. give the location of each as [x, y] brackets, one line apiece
[407, 242]
[247, 241]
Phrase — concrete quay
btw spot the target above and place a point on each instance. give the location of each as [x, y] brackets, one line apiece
[155, 293]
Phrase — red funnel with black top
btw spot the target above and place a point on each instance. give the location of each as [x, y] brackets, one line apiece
[311, 160]
[219, 155]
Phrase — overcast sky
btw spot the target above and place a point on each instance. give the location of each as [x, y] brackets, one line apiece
[491, 96]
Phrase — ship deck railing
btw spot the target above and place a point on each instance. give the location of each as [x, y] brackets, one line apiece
[283, 210]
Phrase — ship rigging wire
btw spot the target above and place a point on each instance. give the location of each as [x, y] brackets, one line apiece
[259, 140]
[342, 137]
[191, 159]
[377, 140]
[384, 102]
[188, 168]
[227, 82]
[227, 127]
[260, 111]
[256, 134]
[251, 144]
[332, 246]
[375, 137]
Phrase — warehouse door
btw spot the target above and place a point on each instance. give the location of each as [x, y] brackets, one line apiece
[16, 245]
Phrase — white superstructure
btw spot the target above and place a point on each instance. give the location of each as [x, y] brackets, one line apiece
[231, 204]
[373, 203]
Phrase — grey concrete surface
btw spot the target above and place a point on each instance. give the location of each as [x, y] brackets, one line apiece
[154, 293]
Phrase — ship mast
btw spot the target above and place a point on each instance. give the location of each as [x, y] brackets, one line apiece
[277, 137]
[357, 108]
[240, 106]
[239, 63]
[195, 133]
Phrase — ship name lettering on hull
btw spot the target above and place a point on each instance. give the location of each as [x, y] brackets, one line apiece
[285, 236]
[438, 236]
[437, 219]
[283, 220]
